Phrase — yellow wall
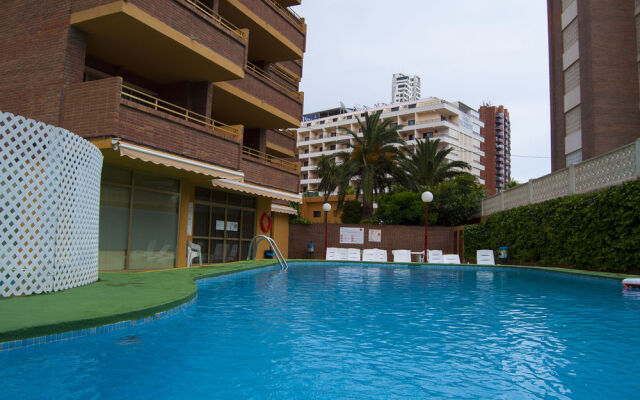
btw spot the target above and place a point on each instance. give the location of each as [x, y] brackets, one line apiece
[280, 232]
[263, 205]
[311, 204]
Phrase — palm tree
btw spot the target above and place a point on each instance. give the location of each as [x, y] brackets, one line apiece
[373, 159]
[329, 173]
[428, 166]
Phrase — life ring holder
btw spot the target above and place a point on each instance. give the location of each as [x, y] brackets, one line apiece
[266, 227]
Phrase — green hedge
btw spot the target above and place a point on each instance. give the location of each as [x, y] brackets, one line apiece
[596, 231]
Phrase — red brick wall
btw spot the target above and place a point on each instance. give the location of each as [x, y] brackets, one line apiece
[275, 17]
[609, 86]
[293, 66]
[95, 109]
[394, 237]
[270, 93]
[281, 139]
[608, 74]
[267, 174]
[39, 54]
[488, 116]
[188, 20]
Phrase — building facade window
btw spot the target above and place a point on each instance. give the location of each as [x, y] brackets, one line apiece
[317, 214]
[223, 224]
[138, 220]
[412, 122]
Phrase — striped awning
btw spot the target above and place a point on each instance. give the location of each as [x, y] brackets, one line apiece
[256, 190]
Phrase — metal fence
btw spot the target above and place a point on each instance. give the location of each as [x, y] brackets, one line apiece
[609, 169]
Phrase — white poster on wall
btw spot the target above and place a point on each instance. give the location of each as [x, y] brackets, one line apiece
[375, 235]
[352, 235]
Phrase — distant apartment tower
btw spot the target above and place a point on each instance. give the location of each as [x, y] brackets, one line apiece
[455, 124]
[405, 88]
[593, 63]
[496, 147]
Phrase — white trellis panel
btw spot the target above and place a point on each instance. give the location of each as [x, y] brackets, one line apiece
[49, 207]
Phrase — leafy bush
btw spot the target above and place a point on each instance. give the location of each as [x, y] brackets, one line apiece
[596, 231]
[299, 220]
[402, 208]
[457, 200]
[351, 212]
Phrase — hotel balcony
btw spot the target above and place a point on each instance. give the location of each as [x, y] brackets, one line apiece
[276, 33]
[107, 108]
[163, 40]
[265, 169]
[258, 101]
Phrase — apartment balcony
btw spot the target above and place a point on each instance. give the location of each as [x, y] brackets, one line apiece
[257, 101]
[265, 169]
[163, 40]
[282, 143]
[293, 68]
[107, 108]
[309, 181]
[276, 33]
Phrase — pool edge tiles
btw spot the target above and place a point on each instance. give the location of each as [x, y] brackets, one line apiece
[73, 334]
[59, 337]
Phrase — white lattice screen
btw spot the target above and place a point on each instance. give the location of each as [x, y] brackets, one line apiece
[612, 168]
[49, 205]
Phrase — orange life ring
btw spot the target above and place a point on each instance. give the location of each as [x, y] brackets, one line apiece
[267, 227]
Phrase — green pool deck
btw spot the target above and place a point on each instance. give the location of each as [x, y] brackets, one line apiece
[121, 296]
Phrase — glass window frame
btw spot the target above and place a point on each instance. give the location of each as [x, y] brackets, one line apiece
[226, 240]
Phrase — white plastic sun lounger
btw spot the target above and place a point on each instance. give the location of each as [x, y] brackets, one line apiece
[435, 257]
[353, 254]
[401, 256]
[485, 257]
[370, 254]
[332, 253]
[451, 259]
[342, 254]
[382, 255]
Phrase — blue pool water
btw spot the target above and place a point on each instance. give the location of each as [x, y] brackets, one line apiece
[333, 332]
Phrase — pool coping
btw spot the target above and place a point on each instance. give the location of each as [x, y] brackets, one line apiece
[65, 330]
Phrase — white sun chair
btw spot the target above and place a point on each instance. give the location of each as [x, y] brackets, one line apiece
[485, 257]
[435, 257]
[370, 254]
[342, 254]
[332, 253]
[401, 256]
[451, 259]
[193, 251]
[353, 254]
[382, 256]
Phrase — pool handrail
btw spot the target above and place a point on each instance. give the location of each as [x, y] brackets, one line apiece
[253, 247]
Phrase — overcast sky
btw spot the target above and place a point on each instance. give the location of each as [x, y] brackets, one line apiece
[466, 50]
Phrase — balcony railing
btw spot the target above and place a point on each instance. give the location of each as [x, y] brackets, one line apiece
[290, 14]
[284, 74]
[143, 98]
[211, 14]
[254, 68]
[269, 158]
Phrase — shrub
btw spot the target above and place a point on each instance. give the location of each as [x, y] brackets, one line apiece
[596, 231]
[351, 212]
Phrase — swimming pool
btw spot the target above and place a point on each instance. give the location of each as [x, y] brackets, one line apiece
[343, 331]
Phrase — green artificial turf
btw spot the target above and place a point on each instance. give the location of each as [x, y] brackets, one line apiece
[120, 296]
[115, 297]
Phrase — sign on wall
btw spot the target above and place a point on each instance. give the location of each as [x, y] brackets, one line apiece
[352, 235]
[375, 235]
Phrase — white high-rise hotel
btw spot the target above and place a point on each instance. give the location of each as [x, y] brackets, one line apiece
[405, 88]
[455, 124]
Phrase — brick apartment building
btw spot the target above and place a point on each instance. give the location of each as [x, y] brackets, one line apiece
[594, 50]
[185, 99]
[497, 148]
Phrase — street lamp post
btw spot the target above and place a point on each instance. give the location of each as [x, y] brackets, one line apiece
[326, 207]
[427, 197]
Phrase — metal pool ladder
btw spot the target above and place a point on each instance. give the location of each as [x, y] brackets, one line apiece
[253, 246]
